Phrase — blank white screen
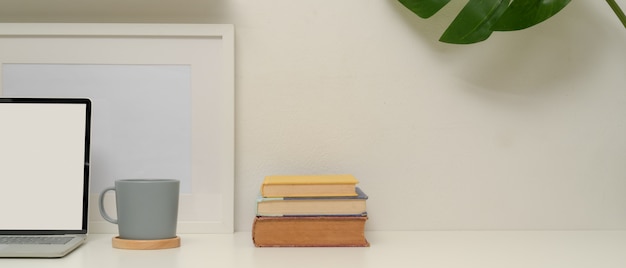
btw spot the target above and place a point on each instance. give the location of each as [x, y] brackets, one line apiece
[41, 166]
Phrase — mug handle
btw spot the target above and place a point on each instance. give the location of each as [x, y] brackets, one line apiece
[101, 205]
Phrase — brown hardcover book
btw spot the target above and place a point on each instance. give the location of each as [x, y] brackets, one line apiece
[315, 231]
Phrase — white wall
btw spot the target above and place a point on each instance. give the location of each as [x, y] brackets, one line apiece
[524, 131]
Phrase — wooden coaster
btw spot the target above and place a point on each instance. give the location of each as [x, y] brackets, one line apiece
[146, 244]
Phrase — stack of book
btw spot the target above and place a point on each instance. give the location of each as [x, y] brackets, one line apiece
[310, 211]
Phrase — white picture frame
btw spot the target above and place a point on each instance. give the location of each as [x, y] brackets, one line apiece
[209, 51]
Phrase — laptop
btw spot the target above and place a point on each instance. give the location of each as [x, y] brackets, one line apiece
[44, 175]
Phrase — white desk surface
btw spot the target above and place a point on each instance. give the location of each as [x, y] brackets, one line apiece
[422, 249]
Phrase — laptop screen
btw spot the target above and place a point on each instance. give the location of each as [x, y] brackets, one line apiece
[44, 165]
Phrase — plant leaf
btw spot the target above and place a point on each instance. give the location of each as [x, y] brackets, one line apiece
[522, 14]
[424, 8]
[474, 22]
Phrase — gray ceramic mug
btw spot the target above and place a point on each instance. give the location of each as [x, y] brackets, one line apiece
[147, 209]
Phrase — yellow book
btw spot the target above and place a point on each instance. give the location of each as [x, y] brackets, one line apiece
[309, 185]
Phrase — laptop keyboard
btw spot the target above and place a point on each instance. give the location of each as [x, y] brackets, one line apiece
[34, 240]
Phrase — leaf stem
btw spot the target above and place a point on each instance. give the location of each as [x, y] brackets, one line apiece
[618, 11]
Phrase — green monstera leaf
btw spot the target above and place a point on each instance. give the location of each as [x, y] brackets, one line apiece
[523, 14]
[424, 8]
[479, 18]
[475, 22]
